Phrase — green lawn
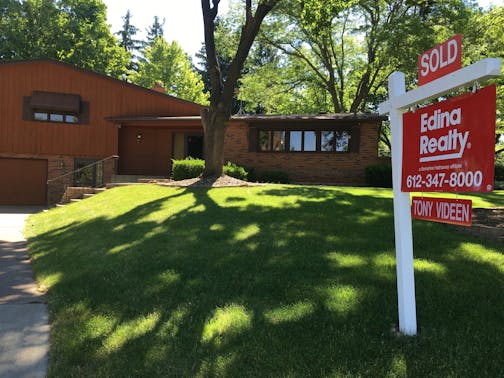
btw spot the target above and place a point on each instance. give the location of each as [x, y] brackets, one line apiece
[294, 281]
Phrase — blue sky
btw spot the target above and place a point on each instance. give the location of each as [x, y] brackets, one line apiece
[183, 17]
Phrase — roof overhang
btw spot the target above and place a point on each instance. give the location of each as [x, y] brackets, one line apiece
[249, 119]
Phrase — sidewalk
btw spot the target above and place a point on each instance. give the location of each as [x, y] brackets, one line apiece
[24, 328]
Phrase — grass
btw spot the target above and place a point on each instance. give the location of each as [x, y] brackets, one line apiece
[263, 281]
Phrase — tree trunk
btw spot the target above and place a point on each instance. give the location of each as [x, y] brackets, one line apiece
[214, 127]
[215, 118]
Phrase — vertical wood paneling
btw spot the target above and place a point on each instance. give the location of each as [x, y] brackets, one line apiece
[107, 97]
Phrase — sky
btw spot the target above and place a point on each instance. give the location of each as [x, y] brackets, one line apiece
[184, 22]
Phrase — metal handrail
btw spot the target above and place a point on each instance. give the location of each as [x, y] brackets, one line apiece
[86, 166]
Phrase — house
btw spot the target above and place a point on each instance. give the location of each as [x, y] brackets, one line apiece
[65, 126]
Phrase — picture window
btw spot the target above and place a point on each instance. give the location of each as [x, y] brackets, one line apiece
[335, 141]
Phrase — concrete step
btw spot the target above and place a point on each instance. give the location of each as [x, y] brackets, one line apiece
[133, 178]
[116, 184]
[87, 195]
[75, 200]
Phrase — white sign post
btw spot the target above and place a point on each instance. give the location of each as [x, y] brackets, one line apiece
[399, 101]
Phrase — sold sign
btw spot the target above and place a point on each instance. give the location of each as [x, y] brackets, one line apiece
[440, 60]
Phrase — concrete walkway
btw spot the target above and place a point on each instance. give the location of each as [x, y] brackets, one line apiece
[24, 321]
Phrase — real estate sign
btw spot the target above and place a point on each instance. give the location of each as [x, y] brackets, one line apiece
[444, 210]
[449, 146]
[440, 60]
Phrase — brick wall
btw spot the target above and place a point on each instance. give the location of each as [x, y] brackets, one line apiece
[310, 167]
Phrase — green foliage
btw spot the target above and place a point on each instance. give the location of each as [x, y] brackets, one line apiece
[499, 171]
[344, 51]
[127, 34]
[379, 175]
[187, 168]
[155, 30]
[168, 64]
[279, 177]
[191, 168]
[236, 171]
[74, 31]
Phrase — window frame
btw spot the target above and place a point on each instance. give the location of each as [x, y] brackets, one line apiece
[97, 172]
[349, 129]
[271, 140]
[46, 103]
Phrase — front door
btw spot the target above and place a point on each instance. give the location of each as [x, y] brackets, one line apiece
[144, 151]
[195, 146]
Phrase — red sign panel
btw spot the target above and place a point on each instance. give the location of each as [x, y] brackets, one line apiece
[444, 210]
[440, 60]
[449, 146]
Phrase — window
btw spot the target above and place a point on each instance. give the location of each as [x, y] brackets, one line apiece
[40, 116]
[327, 141]
[56, 117]
[341, 141]
[88, 173]
[310, 141]
[70, 118]
[303, 141]
[335, 141]
[55, 107]
[296, 140]
[271, 140]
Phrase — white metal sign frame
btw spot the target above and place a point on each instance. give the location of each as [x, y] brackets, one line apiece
[399, 101]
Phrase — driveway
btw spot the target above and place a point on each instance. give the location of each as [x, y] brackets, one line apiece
[24, 321]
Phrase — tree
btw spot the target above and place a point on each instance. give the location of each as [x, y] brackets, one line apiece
[483, 37]
[167, 64]
[215, 117]
[74, 31]
[347, 49]
[155, 30]
[127, 34]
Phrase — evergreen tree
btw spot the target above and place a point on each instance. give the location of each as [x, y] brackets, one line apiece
[155, 30]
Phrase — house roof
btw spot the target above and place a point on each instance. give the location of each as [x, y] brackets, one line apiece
[260, 118]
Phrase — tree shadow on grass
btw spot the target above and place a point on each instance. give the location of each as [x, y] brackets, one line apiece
[300, 282]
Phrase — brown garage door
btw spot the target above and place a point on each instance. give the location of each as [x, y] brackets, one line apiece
[23, 181]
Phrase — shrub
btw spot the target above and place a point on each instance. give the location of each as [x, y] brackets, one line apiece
[187, 168]
[235, 171]
[499, 171]
[279, 177]
[192, 168]
[379, 175]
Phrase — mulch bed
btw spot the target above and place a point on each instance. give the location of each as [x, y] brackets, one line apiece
[211, 182]
[487, 224]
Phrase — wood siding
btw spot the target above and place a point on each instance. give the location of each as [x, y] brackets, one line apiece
[106, 97]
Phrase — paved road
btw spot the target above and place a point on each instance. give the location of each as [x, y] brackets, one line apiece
[24, 327]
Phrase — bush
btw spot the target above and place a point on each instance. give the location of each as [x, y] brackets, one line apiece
[499, 171]
[187, 168]
[379, 175]
[192, 168]
[279, 177]
[235, 171]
